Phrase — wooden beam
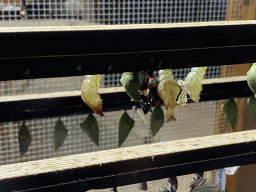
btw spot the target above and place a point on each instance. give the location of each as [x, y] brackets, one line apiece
[31, 106]
[83, 28]
[118, 48]
[76, 93]
[117, 163]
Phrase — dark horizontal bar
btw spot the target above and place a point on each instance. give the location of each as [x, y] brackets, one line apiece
[61, 106]
[112, 49]
[65, 106]
[61, 66]
[70, 40]
[218, 91]
[151, 175]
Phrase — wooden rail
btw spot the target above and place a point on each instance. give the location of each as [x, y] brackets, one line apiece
[47, 51]
[42, 105]
[131, 165]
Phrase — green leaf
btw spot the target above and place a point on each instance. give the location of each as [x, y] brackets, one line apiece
[126, 124]
[24, 138]
[157, 119]
[60, 133]
[251, 102]
[230, 110]
[91, 128]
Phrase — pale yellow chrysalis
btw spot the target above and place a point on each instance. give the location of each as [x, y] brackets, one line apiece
[168, 91]
[90, 94]
[192, 85]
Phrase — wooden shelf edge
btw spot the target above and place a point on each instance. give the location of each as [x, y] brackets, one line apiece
[76, 93]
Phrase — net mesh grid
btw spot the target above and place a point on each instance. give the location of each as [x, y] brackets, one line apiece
[30, 86]
[192, 121]
[189, 119]
[113, 11]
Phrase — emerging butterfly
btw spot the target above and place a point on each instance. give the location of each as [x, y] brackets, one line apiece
[90, 94]
[149, 85]
[133, 86]
[192, 85]
[142, 88]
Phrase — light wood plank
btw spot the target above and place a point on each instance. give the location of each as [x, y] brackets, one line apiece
[122, 27]
[76, 93]
[177, 148]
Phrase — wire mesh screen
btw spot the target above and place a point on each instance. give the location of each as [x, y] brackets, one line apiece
[197, 119]
[82, 12]
[113, 11]
[189, 119]
[30, 86]
[163, 11]
[59, 9]
[10, 10]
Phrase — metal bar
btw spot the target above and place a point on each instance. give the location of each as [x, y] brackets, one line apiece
[25, 107]
[124, 166]
[135, 47]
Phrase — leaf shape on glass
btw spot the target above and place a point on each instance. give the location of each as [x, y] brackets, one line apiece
[91, 128]
[157, 119]
[90, 94]
[60, 133]
[251, 78]
[230, 110]
[251, 102]
[126, 124]
[24, 138]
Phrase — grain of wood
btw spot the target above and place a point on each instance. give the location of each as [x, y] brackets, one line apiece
[56, 94]
[122, 27]
[124, 154]
[101, 90]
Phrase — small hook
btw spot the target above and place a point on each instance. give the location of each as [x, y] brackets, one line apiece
[143, 186]
[174, 183]
[198, 176]
[113, 189]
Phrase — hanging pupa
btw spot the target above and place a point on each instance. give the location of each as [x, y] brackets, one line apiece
[168, 91]
[90, 94]
[192, 85]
